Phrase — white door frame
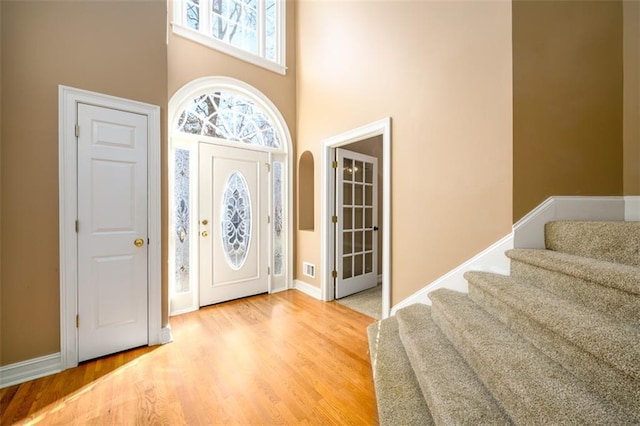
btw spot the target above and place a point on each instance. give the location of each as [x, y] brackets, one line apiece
[378, 128]
[68, 98]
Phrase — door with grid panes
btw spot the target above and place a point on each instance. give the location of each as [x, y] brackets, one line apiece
[357, 223]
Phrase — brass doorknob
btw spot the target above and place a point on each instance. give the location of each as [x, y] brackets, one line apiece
[138, 242]
[205, 233]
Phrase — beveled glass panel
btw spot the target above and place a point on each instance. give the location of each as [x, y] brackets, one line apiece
[368, 240]
[347, 218]
[347, 194]
[347, 244]
[359, 171]
[358, 195]
[235, 220]
[368, 263]
[278, 219]
[368, 217]
[357, 215]
[368, 172]
[347, 267]
[347, 170]
[358, 265]
[358, 237]
[182, 221]
[368, 195]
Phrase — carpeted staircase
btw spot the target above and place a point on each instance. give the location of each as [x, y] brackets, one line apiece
[556, 342]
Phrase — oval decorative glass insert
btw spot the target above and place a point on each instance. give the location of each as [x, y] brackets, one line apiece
[235, 220]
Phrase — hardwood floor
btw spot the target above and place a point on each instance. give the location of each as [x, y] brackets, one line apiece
[274, 359]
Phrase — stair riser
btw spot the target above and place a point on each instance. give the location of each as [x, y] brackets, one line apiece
[619, 304]
[532, 388]
[453, 392]
[605, 379]
[609, 241]
[397, 391]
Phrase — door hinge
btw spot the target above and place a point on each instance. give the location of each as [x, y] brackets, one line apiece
[334, 219]
[77, 131]
[268, 270]
[148, 241]
[77, 321]
[334, 164]
[268, 167]
[269, 219]
[77, 226]
[334, 274]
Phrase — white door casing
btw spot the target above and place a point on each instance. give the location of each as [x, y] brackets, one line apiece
[357, 222]
[233, 223]
[69, 99]
[377, 128]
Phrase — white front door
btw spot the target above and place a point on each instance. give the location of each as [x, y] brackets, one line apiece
[112, 231]
[233, 225]
[357, 224]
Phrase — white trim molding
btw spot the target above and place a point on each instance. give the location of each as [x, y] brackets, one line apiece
[30, 369]
[491, 259]
[632, 208]
[377, 128]
[308, 289]
[528, 232]
[68, 99]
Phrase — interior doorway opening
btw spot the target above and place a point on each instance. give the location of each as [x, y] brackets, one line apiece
[363, 138]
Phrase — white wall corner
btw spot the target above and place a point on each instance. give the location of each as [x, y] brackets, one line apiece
[30, 369]
[491, 259]
[632, 208]
[308, 289]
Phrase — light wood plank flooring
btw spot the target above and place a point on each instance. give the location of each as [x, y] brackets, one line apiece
[271, 359]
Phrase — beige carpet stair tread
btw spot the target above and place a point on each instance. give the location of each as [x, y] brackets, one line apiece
[530, 386]
[400, 400]
[454, 394]
[617, 242]
[613, 275]
[597, 349]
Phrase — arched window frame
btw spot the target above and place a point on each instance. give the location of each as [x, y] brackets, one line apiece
[186, 302]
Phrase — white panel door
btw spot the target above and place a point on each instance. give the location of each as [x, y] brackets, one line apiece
[233, 197]
[112, 231]
[357, 225]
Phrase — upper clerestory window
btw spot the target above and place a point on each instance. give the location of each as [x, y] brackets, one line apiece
[252, 30]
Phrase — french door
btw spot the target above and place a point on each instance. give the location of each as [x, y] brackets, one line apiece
[357, 223]
[233, 223]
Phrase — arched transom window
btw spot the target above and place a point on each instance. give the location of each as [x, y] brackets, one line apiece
[230, 116]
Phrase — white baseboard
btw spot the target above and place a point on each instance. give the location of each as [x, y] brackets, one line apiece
[30, 369]
[632, 208]
[165, 335]
[308, 289]
[491, 259]
[528, 232]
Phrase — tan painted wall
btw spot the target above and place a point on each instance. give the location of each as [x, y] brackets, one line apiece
[109, 47]
[442, 71]
[567, 77]
[631, 127]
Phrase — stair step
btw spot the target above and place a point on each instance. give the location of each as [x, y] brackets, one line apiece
[530, 386]
[617, 242]
[453, 392]
[398, 393]
[617, 289]
[601, 351]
